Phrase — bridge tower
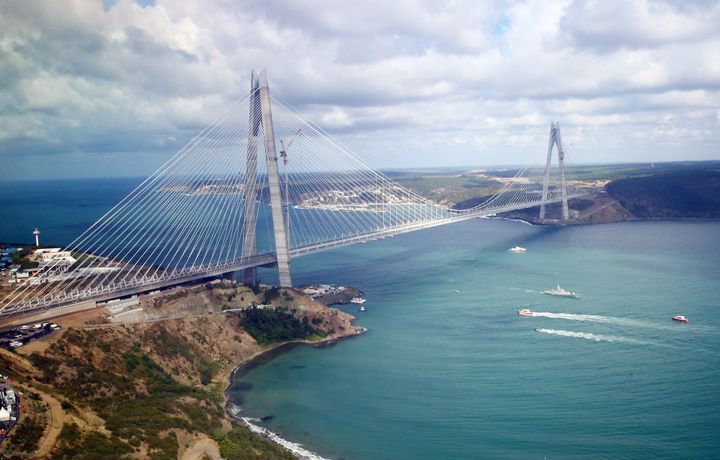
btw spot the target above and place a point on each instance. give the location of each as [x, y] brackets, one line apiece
[261, 116]
[555, 140]
[251, 188]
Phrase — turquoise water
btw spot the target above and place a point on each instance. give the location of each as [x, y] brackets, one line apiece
[442, 374]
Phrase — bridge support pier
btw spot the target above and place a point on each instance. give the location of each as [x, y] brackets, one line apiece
[282, 242]
[555, 139]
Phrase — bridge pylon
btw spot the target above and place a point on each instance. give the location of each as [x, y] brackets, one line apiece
[249, 243]
[555, 140]
[280, 229]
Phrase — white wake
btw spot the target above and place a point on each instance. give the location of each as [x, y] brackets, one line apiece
[593, 318]
[589, 336]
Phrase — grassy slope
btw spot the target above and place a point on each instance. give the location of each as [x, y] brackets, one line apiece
[142, 391]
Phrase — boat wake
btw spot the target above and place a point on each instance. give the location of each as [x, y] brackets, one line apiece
[591, 336]
[593, 318]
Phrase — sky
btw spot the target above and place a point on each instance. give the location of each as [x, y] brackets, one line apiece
[114, 88]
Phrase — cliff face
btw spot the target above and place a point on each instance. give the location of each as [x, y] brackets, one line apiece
[669, 195]
[684, 194]
[153, 390]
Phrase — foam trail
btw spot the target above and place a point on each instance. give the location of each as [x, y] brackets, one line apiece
[590, 336]
[297, 449]
[593, 318]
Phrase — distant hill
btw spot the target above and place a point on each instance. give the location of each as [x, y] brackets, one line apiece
[670, 195]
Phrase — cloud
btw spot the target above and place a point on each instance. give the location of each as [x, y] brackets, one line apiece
[402, 83]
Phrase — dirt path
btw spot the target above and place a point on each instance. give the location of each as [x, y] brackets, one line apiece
[202, 448]
[56, 420]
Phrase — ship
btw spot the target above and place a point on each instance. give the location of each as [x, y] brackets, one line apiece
[358, 300]
[517, 249]
[560, 292]
[525, 312]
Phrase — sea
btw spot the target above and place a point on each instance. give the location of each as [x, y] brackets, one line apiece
[448, 370]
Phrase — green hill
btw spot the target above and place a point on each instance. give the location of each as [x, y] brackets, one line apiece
[678, 194]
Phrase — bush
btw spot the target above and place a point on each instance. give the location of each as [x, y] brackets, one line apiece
[268, 325]
[238, 443]
[271, 294]
[67, 405]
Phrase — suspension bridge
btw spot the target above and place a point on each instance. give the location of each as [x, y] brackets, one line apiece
[257, 187]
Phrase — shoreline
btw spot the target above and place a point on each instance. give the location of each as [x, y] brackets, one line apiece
[233, 411]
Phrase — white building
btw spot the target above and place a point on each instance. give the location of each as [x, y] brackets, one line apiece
[54, 255]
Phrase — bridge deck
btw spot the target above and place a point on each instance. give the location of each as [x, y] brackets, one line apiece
[119, 290]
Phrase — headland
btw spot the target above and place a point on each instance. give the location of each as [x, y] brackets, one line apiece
[148, 380]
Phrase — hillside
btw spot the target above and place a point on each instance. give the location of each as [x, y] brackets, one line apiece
[156, 389]
[670, 195]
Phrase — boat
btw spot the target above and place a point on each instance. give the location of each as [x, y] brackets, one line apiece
[517, 249]
[362, 307]
[525, 312]
[560, 292]
[680, 318]
[358, 300]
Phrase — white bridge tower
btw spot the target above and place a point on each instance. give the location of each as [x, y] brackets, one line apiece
[555, 139]
[261, 116]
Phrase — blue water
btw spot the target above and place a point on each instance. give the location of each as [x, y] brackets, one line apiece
[62, 209]
[442, 374]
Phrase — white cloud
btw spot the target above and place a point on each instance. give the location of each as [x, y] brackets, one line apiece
[459, 82]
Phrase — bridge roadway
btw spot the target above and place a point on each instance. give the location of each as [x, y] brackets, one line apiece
[84, 300]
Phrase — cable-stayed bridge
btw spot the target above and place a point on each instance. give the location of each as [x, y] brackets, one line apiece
[257, 187]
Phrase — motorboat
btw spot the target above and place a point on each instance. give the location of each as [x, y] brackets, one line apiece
[680, 318]
[525, 312]
[358, 300]
[517, 249]
[362, 307]
[560, 292]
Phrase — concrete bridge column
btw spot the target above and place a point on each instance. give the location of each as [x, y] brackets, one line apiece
[282, 245]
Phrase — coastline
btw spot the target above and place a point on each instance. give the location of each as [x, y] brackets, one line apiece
[263, 357]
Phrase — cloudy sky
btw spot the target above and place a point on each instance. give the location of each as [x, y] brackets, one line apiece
[92, 88]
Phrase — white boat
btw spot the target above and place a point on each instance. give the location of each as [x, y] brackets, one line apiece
[525, 312]
[560, 292]
[681, 318]
[517, 249]
[362, 307]
[358, 300]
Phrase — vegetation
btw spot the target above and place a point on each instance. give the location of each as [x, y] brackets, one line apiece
[93, 446]
[450, 189]
[675, 194]
[27, 434]
[269, 325]
[20, 257]
[151, 384]
[238, 444]
[137, 397]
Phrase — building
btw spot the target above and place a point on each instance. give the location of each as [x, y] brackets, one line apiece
[18, 276]
[9, 408]
[54, 255]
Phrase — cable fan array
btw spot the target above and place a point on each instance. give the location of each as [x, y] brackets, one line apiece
[193, 217]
